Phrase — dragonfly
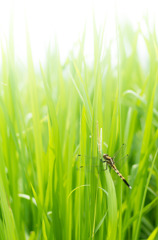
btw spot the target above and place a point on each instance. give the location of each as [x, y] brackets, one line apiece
[110, 162]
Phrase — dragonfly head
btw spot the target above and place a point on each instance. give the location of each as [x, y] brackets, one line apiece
[105, 156]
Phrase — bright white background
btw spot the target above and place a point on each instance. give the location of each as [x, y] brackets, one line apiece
[65, 20]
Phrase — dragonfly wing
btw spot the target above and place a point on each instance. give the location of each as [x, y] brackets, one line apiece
[90, 166]
[87, 160]
[86, 157]
[120, 153]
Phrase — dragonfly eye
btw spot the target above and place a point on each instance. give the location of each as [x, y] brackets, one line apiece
[105, 155]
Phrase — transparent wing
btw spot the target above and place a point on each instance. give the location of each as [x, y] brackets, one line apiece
[121, 153]
[120, 157]
[89, 163]
[121, 163]
[91, 168]
[86, 157]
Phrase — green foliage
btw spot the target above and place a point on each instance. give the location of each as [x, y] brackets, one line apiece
[48, 118]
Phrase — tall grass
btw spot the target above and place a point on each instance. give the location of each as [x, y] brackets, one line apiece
[48, 118]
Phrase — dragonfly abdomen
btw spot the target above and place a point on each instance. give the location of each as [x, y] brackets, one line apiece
[120, 175]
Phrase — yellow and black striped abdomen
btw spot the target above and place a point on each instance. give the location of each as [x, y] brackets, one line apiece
[120, 175]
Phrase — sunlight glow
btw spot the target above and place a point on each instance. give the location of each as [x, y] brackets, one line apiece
[65, 21]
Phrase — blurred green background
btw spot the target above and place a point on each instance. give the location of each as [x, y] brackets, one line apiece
[52, 113]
